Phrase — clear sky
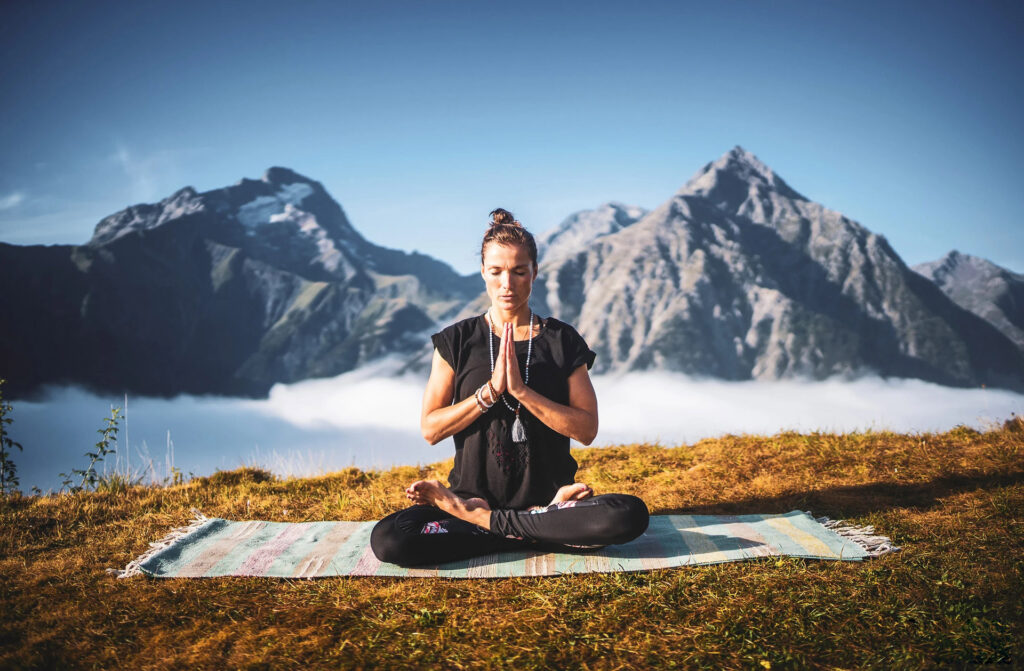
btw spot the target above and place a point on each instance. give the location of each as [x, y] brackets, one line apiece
[420, 117]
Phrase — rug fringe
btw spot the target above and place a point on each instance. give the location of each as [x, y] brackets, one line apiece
[874, 544]
[132, 569]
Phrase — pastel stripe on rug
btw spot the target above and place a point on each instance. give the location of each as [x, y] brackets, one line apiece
[213, 547]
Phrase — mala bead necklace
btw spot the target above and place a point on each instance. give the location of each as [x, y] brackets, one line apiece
[518, 432]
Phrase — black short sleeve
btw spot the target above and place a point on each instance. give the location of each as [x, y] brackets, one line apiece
[577, 352]
[442, 341]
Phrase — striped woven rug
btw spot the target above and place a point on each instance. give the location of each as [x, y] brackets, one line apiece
[213, 547]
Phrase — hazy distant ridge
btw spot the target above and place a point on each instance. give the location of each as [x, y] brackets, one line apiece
[992, 292]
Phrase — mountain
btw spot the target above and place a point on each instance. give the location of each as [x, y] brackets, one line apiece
[993, 293]
[736, 275]
[581, 228]
[226, 291]
[739, 276]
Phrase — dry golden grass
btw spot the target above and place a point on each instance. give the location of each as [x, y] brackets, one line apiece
[951, 598]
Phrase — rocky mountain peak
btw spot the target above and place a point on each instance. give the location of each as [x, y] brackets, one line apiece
[284, 218]
[990, 291]
[739, 276]
[958, 267]
[731, 179]
[279, 175]
[580, 229]
[144, 216]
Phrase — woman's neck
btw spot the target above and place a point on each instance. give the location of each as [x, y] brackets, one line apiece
[518, 318]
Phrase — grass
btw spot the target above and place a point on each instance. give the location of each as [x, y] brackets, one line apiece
[951, 598]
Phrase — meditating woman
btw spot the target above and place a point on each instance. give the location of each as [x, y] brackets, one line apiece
[512, 388]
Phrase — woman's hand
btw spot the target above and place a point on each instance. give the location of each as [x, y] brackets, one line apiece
[499, 379]
[513, 378]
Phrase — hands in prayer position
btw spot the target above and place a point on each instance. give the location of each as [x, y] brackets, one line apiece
[506, 375]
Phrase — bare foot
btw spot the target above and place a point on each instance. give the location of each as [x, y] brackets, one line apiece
[577, 491]
[433, 493]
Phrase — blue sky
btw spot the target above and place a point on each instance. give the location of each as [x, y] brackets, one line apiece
[421, 117]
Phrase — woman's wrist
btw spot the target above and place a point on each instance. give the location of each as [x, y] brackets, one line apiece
[480, 402]
[520, 392]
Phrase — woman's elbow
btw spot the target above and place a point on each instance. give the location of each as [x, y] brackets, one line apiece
[429, 433]
[432, 434]
[588, 435]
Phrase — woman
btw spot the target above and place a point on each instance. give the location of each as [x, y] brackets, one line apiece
[512, 389]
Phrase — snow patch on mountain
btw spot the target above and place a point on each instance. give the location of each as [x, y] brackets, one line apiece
[263, 209]
[328, 255]
[294, 193]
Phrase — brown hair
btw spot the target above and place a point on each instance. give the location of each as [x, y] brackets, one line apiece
[506, 230]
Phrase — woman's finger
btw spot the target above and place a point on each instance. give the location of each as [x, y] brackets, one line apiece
[498, 377]
[512, 376]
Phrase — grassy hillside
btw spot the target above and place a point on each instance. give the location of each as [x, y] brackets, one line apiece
[952, 597]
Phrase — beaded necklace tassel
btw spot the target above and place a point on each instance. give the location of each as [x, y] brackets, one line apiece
[518, 431]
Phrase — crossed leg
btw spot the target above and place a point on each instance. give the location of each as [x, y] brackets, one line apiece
[475, 510]
[444, 527]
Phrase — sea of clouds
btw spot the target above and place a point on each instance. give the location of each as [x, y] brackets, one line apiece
[370, 419]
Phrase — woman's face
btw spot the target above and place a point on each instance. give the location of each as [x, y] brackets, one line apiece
[508, 273]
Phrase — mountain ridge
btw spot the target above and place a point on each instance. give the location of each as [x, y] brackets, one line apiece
[735, 275]
[739, 276]
[226, 291]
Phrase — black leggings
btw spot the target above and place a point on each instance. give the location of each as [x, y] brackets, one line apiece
[427, 535]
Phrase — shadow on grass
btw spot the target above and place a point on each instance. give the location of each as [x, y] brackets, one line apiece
[849, 500]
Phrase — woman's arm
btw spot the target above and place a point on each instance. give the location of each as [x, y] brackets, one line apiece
[439, 419]
[578, 420]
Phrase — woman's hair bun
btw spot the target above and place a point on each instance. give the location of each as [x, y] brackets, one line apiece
[502, 217]
[506, 230]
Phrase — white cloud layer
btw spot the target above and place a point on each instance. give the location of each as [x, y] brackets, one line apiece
[371, 420]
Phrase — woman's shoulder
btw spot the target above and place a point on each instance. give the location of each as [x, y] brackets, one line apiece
[461, 327]
[570, 346]
[556, 327]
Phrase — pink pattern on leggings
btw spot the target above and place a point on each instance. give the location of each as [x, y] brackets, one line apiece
[433, 528]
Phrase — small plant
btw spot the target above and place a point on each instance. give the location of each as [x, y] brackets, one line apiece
[430, 618]
[90, 479]
[8, 471]
[118, 482]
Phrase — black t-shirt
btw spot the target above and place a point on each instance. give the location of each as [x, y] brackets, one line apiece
[487, 463]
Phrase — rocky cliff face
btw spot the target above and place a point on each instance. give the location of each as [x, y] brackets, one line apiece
[739, 276]
[993, 293]
[227, 291]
